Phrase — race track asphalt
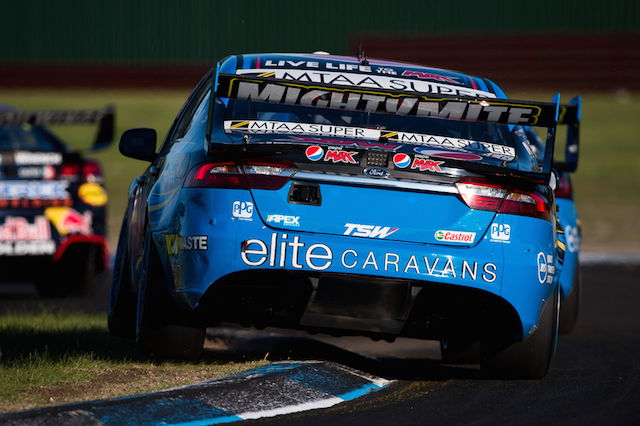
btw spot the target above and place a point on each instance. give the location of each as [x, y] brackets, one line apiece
[595, 378]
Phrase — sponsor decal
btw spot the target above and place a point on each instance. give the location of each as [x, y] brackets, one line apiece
[449, 155]
[93, 194]
[501, 152]
[369, 231]
[367, 81]
[401, 160]
[284, 220]
[500, 233]
[376, 172]
[284, 252]
[30, 158]
[573, 238]
[487, 149]
[18, 237]
[69, 221]
[343, 143]
[313, 64]
[339, 156]
[27, 248]
[32, 190]
[546, 269]
[385, 70]
[314, 153]
[381, 101]
[283, 127]
[177, 243]
[455, 236]
[430, 76]
[243, 210]
[423, 164]
[19, 229]
[36, 172]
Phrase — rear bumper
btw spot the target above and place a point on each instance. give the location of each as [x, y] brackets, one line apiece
[215, 248]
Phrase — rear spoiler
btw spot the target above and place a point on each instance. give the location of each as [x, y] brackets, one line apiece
[105, 118]
[571, 115]
[505, 111]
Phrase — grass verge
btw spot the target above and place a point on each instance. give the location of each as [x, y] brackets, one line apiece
[52, 358]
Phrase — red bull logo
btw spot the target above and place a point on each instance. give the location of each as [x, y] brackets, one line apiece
[19, 229]
[70, 221]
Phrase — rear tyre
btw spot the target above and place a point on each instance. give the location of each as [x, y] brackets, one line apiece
[529, 359]
[122, 299]
[570, 307]
[157, 334]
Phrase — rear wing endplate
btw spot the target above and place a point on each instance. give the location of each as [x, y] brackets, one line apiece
[105, 118]
[571, 115]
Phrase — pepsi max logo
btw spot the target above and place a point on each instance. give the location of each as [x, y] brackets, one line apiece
[401, 160]
[314, 153]
[376, 172]
[451, 155]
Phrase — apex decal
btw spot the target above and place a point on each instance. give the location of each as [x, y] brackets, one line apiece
[284, 252]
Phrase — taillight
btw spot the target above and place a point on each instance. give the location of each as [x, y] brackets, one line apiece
[70, 171]
[564, 189]
[254, 174]
[89, 171]
[481, 194]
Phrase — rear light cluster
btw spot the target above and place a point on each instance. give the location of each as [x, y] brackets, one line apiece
[89, 171]
[481, 194]
[251, 174]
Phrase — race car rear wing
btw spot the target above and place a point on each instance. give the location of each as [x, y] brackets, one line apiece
[407, 103]
[571, 115]
[105, 118]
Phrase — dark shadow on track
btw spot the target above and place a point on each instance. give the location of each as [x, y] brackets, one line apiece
[283, 345]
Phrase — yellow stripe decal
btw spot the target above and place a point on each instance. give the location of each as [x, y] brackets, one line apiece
[240, 124]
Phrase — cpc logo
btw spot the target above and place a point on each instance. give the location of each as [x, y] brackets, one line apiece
[243, 209]
[401, 160]
[314, 153]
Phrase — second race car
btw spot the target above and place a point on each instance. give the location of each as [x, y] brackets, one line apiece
[52, 201]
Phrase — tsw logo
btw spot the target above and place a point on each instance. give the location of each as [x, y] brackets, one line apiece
[369, 231]
[341, 156]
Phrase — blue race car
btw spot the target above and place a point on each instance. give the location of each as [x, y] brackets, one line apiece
[348, 196]
[52, 201]
[570, 115]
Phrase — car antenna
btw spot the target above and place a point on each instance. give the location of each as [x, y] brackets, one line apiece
[361, 56]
